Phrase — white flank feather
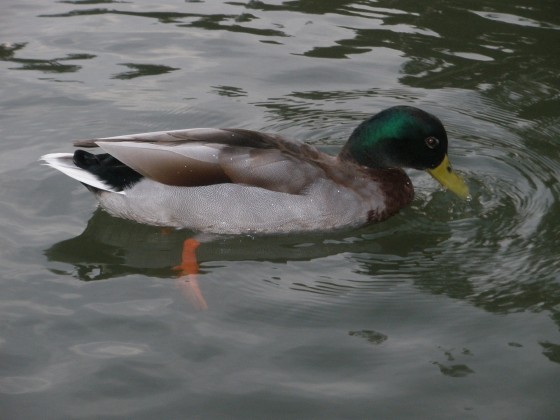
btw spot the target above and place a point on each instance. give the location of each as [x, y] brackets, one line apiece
[64, 163]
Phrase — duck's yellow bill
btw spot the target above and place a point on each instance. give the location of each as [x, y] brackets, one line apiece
[449, 179]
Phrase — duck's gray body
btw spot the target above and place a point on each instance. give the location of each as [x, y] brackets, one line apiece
[234, 208]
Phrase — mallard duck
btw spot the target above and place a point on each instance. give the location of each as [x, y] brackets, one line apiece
[242, 181]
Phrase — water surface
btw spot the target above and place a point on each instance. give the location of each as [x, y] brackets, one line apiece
[447, 310]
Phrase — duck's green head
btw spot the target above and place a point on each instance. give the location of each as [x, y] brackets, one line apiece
[404, 137]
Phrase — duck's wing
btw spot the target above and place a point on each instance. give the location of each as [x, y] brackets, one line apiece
[198, 157]
[232, 136]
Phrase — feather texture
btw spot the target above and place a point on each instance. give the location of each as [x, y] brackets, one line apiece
[65, 164]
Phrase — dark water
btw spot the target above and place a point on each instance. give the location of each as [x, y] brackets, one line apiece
[448, 310]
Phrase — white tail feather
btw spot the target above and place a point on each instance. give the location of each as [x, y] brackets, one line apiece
[65, 164]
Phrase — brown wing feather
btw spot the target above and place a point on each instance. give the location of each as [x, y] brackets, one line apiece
[272, 169]
[167, 165]
[198, 157]
[229, 136]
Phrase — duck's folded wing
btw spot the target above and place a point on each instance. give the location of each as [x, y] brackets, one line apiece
[244, 159]
[231, 136]
[193, 164]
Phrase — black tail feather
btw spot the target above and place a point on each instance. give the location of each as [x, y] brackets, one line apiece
[112, 171]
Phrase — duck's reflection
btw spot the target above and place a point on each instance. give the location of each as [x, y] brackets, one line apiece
[386, 253]
[110, 247]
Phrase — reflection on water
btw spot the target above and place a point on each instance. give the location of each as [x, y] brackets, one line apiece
[415, 317]
[54, 65]
[372, 337]
[138, 70]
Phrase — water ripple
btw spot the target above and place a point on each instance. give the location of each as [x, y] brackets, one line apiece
[22, 385]
[131, 307]
[110, 349]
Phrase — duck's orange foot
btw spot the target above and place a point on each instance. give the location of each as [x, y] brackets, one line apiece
[188, 275]
[188, 264]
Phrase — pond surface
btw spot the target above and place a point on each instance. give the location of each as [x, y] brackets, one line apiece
[448, 310]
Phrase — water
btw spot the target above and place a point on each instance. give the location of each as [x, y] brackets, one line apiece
[447, 310]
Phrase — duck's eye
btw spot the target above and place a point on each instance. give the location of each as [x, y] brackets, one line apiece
[432, 142]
